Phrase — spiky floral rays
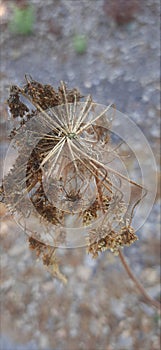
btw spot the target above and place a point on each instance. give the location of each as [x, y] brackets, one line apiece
[64, 145]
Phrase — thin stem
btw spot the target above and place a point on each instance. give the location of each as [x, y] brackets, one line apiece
[72, 154]
[67, 126]
[94, 120]
[74, 112]
[54, 163]
[139, 286]
[54, 150]
[83, 113]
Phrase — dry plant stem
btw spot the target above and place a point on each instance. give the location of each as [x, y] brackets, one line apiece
[139, 286]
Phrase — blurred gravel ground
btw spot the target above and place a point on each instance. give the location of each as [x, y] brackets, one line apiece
[98, 308]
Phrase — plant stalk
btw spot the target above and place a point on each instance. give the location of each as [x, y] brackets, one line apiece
[139, 286]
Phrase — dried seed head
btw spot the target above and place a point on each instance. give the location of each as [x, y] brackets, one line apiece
[113, 241]
[61, 179]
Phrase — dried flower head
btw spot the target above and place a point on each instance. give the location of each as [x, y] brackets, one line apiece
[61, 188]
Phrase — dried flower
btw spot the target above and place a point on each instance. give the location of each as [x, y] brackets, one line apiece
[61, 188]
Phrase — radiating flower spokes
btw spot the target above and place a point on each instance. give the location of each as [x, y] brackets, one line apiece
[67, 176]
